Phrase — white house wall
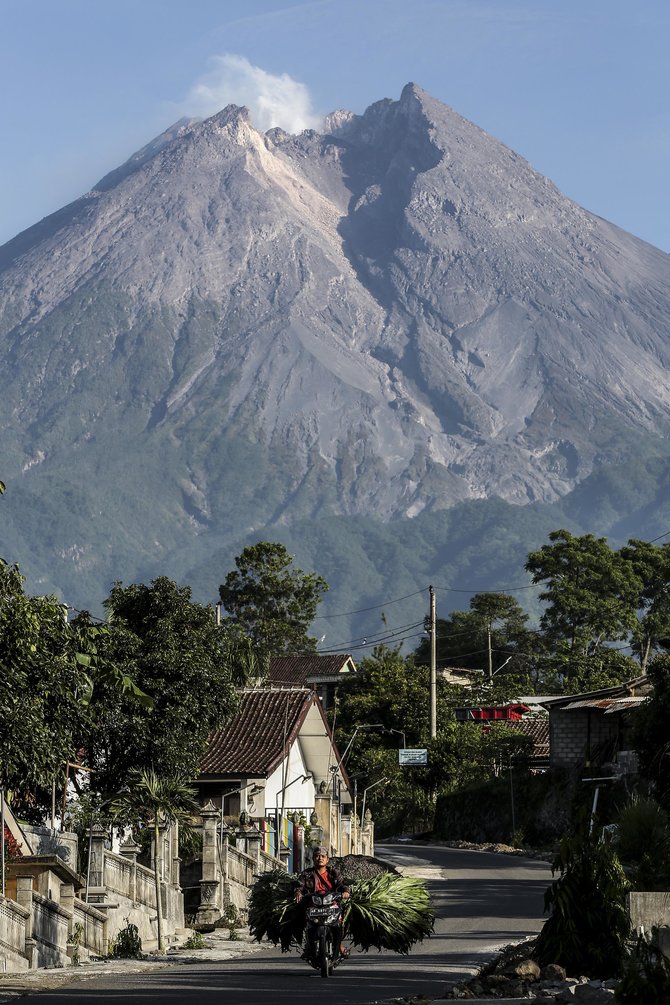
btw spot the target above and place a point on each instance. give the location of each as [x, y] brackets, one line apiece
[297, 795]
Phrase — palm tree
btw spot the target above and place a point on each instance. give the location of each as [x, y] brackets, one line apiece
[157, 802]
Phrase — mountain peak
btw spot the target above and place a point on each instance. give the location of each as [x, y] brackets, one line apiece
[391, 317]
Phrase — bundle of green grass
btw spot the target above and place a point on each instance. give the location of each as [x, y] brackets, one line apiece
[386, 911]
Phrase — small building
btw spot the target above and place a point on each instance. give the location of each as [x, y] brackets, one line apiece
[594, 728]
[322, 674]
[276, 757]
[512, 712]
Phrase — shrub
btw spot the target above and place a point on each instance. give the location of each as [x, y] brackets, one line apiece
[127, 944]
[646, 976]
[643, 842]
[588, 926]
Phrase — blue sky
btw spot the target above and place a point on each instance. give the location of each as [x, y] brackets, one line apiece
[578, 87]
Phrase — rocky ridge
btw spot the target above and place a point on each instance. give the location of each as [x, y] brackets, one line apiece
[383, 319]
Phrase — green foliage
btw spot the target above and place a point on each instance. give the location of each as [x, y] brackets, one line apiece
[155, 801]
[152, 799]
[643, 843]
[591, 591]
[127, 945]
[394, 693]
[272, 602]
[592, 595]
[646, 974]
[651, 735]
[651, 564]
[196, 940]
[173, 650]
[587, 930]
[75, 942]
[387, 911]
[231, 917]
[43, 690]
[497, 619]
[273, 912]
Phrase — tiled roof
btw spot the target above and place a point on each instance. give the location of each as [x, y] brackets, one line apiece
[537, 729]
[254, 740]
[295, 671]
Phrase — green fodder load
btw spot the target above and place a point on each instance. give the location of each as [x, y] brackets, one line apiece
[387, 911]
[273, 913]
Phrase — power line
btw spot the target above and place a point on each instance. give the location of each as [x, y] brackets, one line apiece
[366, 645]
[377, 607]
[381, 636]
[506, 589]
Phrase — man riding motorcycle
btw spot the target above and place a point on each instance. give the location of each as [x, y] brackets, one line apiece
[322, 878]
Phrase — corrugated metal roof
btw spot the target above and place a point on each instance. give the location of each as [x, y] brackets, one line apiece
[606, 705]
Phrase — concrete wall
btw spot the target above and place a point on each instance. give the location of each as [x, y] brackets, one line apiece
[648, 910]
[44, 841]
[13, 920]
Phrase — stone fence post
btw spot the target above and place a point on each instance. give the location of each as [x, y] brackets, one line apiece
[24, 898]
[67, 903]
[208, 912]
[130, 850]
[95, 884]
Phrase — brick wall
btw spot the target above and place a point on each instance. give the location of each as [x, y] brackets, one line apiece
[574, 740]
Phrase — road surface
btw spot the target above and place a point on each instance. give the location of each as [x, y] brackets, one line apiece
[483, 901]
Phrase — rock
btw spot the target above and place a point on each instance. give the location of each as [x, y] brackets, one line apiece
[593, 993]
[526, 970]
[553, 972]
[612, 984]
[516, 989]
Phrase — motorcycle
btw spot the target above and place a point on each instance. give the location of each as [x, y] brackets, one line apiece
[323, 932]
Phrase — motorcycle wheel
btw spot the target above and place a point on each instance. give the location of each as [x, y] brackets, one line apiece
[324, 957]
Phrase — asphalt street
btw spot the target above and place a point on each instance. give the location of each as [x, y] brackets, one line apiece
[483, 901]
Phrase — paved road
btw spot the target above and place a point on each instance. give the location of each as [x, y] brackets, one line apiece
[483, 901]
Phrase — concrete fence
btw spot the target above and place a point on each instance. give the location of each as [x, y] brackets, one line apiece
[13, 921]
[43, 921]
[228, 870]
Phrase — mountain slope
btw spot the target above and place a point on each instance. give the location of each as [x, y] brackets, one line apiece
[236, 331]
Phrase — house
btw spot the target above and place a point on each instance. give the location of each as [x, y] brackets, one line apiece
[274, 758]
[594, 728]
[513, 715]
[322, 674]
[512, 712]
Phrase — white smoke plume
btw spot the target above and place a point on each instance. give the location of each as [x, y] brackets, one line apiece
[272, 100]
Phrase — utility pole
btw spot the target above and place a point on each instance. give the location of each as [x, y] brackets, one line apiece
[433, 665]
[488, 632]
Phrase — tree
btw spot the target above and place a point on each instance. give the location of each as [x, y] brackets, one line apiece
[651, 564]
[44, 690]
[494, 628]
[156, 802]
[652, 730]
[173, 649]
[272, 602]
[394, 693]
[592, 594]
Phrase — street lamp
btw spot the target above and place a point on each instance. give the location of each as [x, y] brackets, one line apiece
[365, 793]
[372, 725]
[400, 732]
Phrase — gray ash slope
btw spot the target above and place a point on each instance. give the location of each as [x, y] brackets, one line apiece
[234, 331]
